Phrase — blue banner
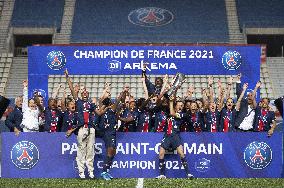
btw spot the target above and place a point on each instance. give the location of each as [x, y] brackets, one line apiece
[128, 59]
[209, 155]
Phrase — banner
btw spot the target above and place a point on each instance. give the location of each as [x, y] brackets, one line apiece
[209, 155]
[128, 59]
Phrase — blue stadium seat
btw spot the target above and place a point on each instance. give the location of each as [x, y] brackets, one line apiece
[107, 21]
[38, 13]
[260, 13]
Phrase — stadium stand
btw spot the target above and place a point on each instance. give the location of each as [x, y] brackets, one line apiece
[96, 21]
[235, 35]
[275, 67]
[100, 22]
[5, 64]
[19, 72]
[7, 11]
[64, 36]
[95, 84]
[260, 13]
[1, 7]
[34, 13]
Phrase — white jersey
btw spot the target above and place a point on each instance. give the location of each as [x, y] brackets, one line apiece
[30, 122]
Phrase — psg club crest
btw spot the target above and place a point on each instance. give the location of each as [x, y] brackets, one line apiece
[232, 60]
[24, 155]
[150, 17]
[202, 165]
[56, 60]
[258, 155]
[39, 92]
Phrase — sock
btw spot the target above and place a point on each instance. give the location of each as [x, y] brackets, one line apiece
[162, 166]
[185, 165]
[107, 164]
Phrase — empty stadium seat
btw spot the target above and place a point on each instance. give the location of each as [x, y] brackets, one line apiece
[98, 21]
[35, 13]
[260, 13]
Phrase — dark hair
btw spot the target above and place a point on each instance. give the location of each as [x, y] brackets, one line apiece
[106, 102]
[140, 102]
[266, 98]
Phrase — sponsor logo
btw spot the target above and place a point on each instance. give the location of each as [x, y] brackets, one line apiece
[258, 155]
[24, 155]
[202, 165]
[114, 66]
[56, 60]
[150, 17]
[40, 92]
[231, 60]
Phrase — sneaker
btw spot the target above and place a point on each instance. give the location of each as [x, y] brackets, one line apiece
[110, 176]
[190, 176]
[161, 177]
[82, 175]
[91, 175]
[105, 176]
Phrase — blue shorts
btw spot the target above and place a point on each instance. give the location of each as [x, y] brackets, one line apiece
[109, 137]
[171, 142]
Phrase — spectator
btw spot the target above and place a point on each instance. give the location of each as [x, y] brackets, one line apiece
[14, 119]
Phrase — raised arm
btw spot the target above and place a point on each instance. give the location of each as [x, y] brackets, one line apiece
[55, 94]
[63, 105]
[189, 92]
[257, 86]
[165, 84]
[220, 96]
[25, 96]
[145, 88]
[74, 91]
[172, 110]
[211, 92]
[204, 99]
[229, 87]
[238, 85]
[238, 105]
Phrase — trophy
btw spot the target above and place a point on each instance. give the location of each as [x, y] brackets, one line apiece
[176, 83]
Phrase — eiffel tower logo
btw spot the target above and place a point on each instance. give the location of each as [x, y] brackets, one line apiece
[151, 17]
[25, 155]
[257, 156]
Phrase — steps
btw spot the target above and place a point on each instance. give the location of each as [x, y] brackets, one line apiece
[6, 16]
[235, 36]
[66, 26]
[275, 71]
[18, 73]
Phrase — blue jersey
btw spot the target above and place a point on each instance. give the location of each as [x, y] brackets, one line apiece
[85, 109]
[108, 120]
[70, 120]
[263, 120]
[174, 123]
[196, 122]
[130, 126]
[94, 117]
[144, 121]
[160, 121]
[227, 120]
[212, 121]
[53, 120]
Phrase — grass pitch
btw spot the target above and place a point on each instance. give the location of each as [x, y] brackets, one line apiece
[155, 183]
